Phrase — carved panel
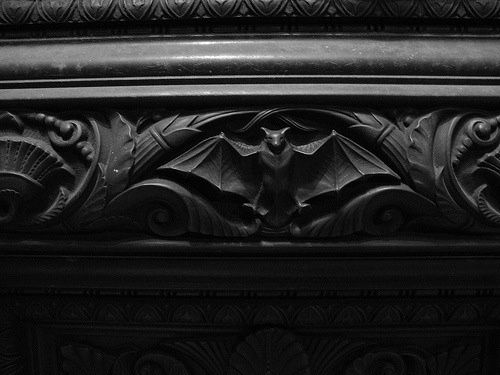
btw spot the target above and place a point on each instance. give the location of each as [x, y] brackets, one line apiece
[311, 172]
[82, 334]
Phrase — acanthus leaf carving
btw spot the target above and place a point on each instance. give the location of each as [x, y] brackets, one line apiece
[309, 172]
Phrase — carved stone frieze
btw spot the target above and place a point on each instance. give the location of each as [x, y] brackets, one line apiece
[274, 351]
[13, 12]
[298, 172]
[71, 334]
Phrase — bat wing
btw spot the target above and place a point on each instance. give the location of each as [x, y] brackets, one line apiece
[227, 165]
[332, 163]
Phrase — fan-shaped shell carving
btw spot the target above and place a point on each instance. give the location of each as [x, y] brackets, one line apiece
[24, 166]
[270, 351]
[26, 159]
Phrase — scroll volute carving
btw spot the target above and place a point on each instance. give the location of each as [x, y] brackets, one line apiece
[297, 172]
[46, 163]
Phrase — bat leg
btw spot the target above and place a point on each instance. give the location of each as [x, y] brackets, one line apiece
[304, 208]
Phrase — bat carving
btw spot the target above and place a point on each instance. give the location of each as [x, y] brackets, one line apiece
[276, 177]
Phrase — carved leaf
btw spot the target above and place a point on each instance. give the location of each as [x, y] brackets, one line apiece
[55, 10]
[461, 360]
[271, 351]
[388, 315]
[148, 314]
[111, 313]
[267, 8]
[350, 316]
[269, 315]
[73, 311]
[188, 314]
[420, 154]
[427, 315]
[209, 357]
[464, 314]
[311, 315]
[229, 315]
[456, 215]
[121, 155]
[388, 362]
[94, 206]
[12, 350]
[16, 11]
[325, 354]
[84, 360]
[376, 131]
[179, 8]
[356, 8]
[56, 209]
[96, 10]
[311, 8]
[442, 8]
[400, 8]
[221, 8]
[482, 8]
[137, 9]
[168, 135]
[159, 363]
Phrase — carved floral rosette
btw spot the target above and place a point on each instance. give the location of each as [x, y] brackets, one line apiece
[296, 172]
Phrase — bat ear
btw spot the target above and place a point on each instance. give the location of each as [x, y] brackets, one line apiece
[283, 131]
[267, 131]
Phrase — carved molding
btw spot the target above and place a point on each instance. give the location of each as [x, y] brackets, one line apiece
[15, 12]
[274, 351]
[289, 172]
[176, 335]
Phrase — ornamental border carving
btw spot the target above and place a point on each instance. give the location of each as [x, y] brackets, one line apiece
[16, 12]
[313, 172]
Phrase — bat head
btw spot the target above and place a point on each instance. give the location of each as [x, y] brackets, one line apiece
[275, 139]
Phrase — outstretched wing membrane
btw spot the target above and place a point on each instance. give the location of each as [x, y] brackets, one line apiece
[330, 164]
[229, 166]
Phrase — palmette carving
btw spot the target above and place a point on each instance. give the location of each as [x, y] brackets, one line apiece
[306, 172]
[274, 351]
